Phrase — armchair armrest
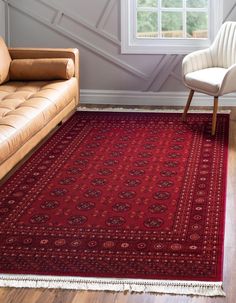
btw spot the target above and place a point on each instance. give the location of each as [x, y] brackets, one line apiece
[40, 53]
[195, 61]
[229, 81]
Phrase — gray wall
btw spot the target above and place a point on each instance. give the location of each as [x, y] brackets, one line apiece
[2, 19]
[94, 27]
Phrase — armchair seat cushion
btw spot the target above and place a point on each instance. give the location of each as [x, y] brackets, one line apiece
[208, 80]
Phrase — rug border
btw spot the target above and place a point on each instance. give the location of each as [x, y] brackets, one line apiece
[177, 287]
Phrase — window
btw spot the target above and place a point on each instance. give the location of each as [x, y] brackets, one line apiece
[169, 26]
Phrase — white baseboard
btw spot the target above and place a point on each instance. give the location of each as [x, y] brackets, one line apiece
[118, 97]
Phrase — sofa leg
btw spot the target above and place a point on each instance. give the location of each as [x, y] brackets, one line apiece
[213, 129]
[190, 97]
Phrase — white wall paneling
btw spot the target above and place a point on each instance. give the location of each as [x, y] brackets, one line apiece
[138, 98]
[94, 27]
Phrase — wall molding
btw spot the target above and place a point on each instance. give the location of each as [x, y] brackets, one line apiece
[159, 68]
[88, 45]
[103, 21]
[78, 19]
[118, 97]
[165, 74]
[230, 12]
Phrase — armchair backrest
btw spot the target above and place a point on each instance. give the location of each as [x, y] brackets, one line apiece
[223, 49]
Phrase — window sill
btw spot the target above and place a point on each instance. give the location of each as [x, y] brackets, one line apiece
[165, 46]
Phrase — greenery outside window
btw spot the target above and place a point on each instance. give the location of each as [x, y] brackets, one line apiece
[169, 26]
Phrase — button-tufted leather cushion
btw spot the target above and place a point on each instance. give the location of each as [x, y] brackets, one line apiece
[5, 61]
[26, 107]
[41, 69]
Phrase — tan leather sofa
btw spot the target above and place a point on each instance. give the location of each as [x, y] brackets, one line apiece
[39, 88]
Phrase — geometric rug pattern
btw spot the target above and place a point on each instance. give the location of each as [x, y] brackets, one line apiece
[120, 196]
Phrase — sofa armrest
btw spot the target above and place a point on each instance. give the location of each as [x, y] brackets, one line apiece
[40, 53]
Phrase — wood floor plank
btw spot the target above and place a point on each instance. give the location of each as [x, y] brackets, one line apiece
[11, 295]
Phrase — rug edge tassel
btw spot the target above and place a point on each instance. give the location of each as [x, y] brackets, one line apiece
[143, 110]
[210, 289]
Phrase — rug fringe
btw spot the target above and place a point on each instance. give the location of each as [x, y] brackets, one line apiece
[116, 285]
[142, 110]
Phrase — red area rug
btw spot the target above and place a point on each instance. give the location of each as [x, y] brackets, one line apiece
[117, 201]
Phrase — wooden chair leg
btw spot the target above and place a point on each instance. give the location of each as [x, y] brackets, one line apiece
[213, 129]
[190, 97]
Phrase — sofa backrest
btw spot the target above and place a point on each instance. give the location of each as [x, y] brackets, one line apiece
[5, 61]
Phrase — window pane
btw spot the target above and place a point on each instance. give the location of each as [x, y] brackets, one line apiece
[147, 25]
[172, 3]
[197, 25]
[147, 3]
[197, 3]
[172, 24]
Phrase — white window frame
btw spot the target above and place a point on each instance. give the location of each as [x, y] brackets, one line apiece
[130, 44]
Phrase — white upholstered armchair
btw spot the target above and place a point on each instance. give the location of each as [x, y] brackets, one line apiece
[213, 70]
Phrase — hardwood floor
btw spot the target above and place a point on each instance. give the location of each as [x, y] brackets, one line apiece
[11, 295]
